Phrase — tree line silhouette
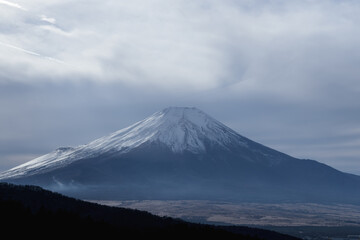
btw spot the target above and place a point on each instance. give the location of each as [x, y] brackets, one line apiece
[34, 212]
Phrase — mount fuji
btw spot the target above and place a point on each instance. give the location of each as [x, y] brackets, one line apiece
[182, 153]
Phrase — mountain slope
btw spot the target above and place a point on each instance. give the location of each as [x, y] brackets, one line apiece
[182, 153]
[182, 130]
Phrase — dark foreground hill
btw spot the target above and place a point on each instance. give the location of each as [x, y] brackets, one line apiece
[34, 212]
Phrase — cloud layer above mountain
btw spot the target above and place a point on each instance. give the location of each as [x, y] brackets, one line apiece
[275, 45]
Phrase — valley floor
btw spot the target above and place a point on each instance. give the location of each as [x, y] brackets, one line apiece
[249, 213]
[303, 220]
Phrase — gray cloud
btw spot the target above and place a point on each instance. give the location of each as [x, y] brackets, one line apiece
[265, 44]
[284, 73]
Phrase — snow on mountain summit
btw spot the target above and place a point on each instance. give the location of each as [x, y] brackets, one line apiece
[179, 128]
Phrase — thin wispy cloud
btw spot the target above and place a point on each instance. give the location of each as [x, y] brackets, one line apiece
[20, 49]
[31, 53]
[48, 19]
[12, 4]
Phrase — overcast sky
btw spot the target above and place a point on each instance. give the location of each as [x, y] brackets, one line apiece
[282, 73]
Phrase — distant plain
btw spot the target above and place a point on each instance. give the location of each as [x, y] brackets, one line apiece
[303, 220]
[286, 214]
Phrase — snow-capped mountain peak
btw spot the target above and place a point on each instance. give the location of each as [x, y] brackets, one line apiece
[179, 128]
[182, 153]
